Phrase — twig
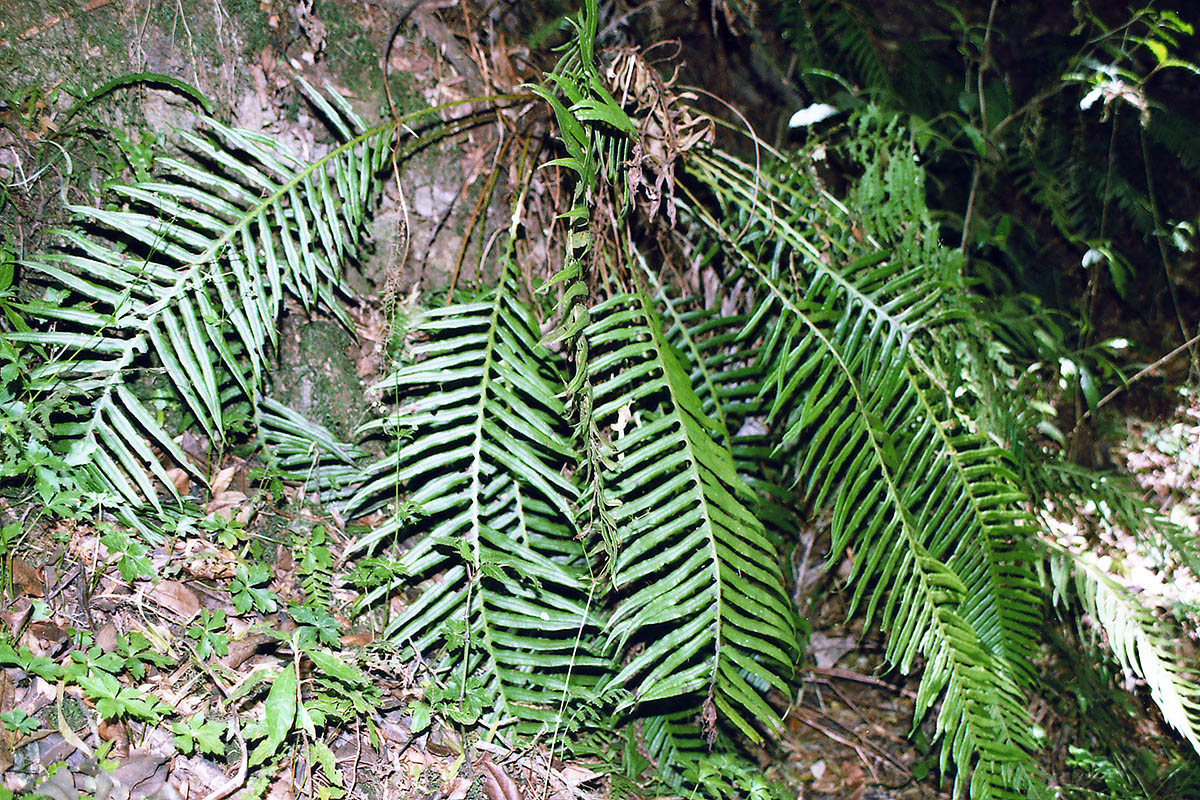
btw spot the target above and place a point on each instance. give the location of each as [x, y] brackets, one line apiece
[1143, 372]
[848, 675]
[810, 720]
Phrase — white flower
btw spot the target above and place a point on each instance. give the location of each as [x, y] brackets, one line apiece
[813, 114]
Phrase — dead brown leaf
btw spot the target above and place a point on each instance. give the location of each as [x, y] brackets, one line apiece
[230, 505]
[224, 478]
[180, 480]
[26, 578]
[143, 772]
[177, 598]
[241, 649]
[498, 785]
[106, 637]
[16, 615]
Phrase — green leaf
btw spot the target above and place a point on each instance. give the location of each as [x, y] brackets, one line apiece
[334, 667]
[280, 711]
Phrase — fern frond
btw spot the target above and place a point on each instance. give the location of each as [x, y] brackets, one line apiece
[481, 457]
[186, 282]
[929, 509]
[1138, 641]
[721, 358]
[674, 741]
[309, 454]
[1118, 502]
[700, 590]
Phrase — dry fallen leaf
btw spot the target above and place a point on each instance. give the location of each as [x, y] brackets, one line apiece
[575, 775]
[26, 578]
[143, 772]
[106, 637]
[230, 505]
[498, 785]
[223, 478]
[180, 480]
[177, 598]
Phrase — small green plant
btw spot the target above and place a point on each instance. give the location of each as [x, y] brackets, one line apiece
[247, 591]
[138, 652]
[114, 701]
[130, 554]
[456, 698]
[315, 625]
[315, 568]
[199, 734]
[24, 659]
[206, 630]
[336, 692]
[19, 722]
[228, 532]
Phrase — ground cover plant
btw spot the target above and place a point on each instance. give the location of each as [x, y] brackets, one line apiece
[570, 522]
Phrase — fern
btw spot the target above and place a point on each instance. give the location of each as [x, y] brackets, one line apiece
[929, 509]
[700, 591]
[596, 535]
[1142, 645]
[483, 463]
[309, 454]
[187, 281]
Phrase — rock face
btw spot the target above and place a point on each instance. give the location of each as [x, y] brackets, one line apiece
[244, 55]
[315, 373]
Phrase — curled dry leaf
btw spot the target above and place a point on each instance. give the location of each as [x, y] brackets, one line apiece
[114, 731]
[26, 578]
[241, 649]
[458, 788]
[180, 480]
[16, 616]
[143, 772]
[575, 776]
[498, 785]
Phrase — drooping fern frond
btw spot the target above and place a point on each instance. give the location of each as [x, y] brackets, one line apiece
[721, 358]
[309, 454]
[1139, 642]
[700, 607]
[480, 458]
[928, 508]
[185, 283]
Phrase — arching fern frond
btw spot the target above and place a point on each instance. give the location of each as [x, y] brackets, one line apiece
[1139, 642]
[929, 509]
[480, 457]
[186, 282]
[721, 358]
[700, 607]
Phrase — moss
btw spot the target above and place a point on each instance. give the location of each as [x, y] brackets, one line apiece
[316, 376]
[350, 50]
[254, 27]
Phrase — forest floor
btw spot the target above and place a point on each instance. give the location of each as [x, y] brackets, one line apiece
[172, 637]
[195, 637]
